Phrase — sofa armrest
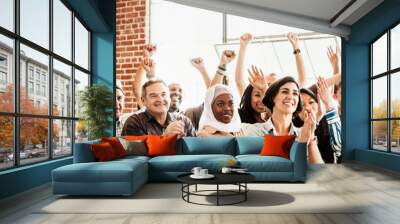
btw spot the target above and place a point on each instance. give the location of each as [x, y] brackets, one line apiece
[83, 152]
[298, 155]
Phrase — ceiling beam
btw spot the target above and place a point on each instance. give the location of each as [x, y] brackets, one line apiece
[269, 15]
[346, 12]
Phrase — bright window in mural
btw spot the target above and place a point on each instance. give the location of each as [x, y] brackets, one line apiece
[44, 111]
[385, 95]
[201, 34]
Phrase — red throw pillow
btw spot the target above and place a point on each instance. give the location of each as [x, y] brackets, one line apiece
[116, 145]
[134, 138]
[277, 145]
[161, 145]
[103, 152]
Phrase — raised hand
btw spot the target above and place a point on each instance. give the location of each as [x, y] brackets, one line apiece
[149, 66]
[149, 50]
[324, 93]
[333, 58]
[227, 57]
[257, 78]
[197, 63]
[245, 39]
[293, 39]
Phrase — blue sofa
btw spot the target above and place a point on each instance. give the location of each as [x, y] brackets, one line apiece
[125, 176]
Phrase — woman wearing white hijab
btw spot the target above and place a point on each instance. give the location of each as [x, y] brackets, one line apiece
[220, 116]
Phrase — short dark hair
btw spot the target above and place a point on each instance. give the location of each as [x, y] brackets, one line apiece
[310, 93]
[149, 83]
[273, 90]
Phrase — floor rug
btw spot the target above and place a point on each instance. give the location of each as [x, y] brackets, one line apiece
[167, 198]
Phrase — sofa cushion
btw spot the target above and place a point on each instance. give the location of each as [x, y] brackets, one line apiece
[277, 145]
[103, 152]
[257, 163]
[112, 171]
[249, 145]
[207, 145]
[161, 145]
[83, 153]
[117, 146]
[185, 163]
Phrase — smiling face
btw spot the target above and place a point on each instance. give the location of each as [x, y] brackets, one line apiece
[286, 99]
[222, 108]
[309, 105]
[175, 91]
[156, 98]
[256, 101]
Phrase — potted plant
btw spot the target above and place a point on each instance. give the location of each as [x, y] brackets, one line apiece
[96, 102]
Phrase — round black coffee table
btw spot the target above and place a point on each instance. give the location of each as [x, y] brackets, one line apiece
[238, 179]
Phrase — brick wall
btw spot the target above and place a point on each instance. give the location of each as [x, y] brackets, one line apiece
[131, 37]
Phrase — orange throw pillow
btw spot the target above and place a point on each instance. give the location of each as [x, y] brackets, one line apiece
[135, 138]
[116, 145]
[103, 152]
[161, 145]
[277, 145]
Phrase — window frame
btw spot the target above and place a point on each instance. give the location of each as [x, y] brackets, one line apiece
[388, 74]
[15, 72]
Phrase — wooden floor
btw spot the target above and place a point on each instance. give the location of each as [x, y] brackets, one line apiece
[378, 188]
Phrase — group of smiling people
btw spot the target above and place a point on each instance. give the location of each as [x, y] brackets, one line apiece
[269, 106]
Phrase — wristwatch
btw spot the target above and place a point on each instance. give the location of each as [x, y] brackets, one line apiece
[296, 51]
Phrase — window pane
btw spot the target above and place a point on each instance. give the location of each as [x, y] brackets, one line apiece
[395, 47]
[237, 25]
[62, 29]
[379, 135]
[81, 131]
[379, 55]
[35, 21]
[62, 89]
[6, 74]
[194, 36]
[395, 94]
[81, 81]
[7, 14]
[33, 139]
[34, 72]
[62, 141]
[395, 136]
[379, 98]
[81, 45]
[6, 142]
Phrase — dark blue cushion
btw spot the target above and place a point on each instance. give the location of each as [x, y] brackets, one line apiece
[249, 145]
[257, 163]
[185, 163]
[207, 145]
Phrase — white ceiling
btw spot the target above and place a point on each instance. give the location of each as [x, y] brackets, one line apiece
[316, 15]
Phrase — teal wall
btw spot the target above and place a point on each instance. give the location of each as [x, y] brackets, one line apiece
[99, 16]
[355, 59]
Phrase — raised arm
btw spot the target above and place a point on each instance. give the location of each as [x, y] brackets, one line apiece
[226, 57]
[332, 117]
[334, 59]
[198, 63]
[144, 70]
[239, 79]
[301, 73]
